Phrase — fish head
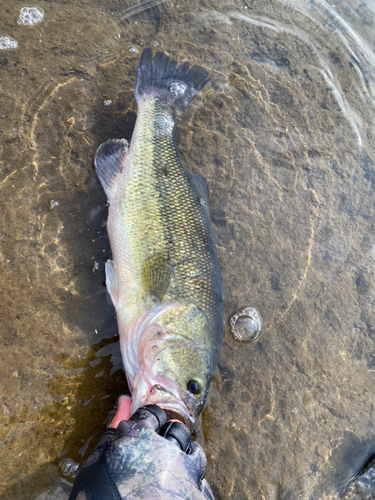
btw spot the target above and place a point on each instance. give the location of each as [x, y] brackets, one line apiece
[176, 364]
[181, 376]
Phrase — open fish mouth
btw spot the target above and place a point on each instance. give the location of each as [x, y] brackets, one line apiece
[168, 400]
[175, 409]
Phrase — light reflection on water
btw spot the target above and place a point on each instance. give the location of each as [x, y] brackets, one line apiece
[284, 134]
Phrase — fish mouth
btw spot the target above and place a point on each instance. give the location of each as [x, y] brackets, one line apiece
[168, 400]
[177, 409]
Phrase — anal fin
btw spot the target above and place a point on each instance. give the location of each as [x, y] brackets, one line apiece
[109, 162]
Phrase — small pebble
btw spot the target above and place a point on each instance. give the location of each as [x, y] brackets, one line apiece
[30, 16]
[7, 43]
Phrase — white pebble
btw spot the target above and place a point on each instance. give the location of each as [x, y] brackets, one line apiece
[30, 16]
[107, 102]
[7, 43]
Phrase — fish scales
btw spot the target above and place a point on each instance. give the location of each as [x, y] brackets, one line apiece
[164, 279]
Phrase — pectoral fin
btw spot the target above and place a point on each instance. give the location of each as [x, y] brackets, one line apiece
[111, 281]
[156, 275]
[109, 163]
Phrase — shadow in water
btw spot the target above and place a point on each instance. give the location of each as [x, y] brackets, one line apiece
[74, 422]
[349, 472]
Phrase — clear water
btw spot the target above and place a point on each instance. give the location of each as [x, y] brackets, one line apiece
[284, 133]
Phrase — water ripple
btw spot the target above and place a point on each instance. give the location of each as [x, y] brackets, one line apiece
[323, 67]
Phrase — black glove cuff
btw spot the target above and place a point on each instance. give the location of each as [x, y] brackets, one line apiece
[96, 481]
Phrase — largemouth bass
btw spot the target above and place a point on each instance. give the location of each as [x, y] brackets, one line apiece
[164, 279]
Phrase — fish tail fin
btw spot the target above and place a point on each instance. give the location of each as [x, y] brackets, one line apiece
[168, 80]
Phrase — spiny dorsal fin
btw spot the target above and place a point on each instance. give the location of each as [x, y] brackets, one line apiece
[109, 162]
[156, 275]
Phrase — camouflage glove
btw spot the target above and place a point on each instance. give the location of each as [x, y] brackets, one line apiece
[144, 458]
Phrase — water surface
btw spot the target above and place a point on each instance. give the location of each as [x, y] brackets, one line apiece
[284, 133]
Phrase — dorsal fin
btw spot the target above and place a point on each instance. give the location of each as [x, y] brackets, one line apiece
[109, 162]
[156, 275]
[201, 186]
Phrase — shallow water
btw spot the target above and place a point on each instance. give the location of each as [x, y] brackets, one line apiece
[284, 133]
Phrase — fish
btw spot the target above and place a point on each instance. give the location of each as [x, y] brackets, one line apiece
[164, 278]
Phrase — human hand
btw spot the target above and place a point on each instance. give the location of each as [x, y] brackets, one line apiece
[133, 461]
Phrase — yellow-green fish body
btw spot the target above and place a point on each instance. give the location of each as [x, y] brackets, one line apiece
[164, 279]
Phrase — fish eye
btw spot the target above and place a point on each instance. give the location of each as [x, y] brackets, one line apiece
[193, 386]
